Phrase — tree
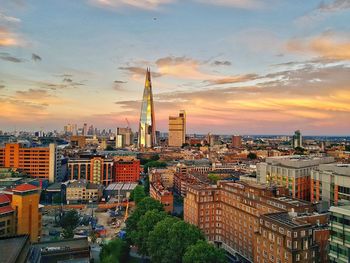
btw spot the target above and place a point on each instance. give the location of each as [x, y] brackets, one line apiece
[146, 204]
[158, 241]
[69, 222]
[203, 252]
[299, 150]
[170, 238]
[56, 199]
[109, 148]
[347, 148]
[138, 194]
[157, 164]
[140, 235]
[252, 156]
[116, 251]
[213, 178]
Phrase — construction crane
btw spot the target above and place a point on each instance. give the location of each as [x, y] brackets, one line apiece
[126, 119]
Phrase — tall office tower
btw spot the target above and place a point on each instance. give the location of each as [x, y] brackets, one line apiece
[177, 130]
[125, 134]
[147, 128]
[297, 139]
[236, 141]
[85, 129]
[25, 201]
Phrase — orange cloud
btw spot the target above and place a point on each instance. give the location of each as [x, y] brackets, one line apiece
[7, 38]
[327, 46]
[144, 4]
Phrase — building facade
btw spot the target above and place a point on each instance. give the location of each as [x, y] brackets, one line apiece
[297, 140]
[94, 169]
[330, 183]
[339, 246]
[7, 217]
[177, 130]
[292, 172]
[37, 162]
[147, 126]
[165, 196]
[229, 213]
[126, 170]
[236, 141]
[81, 191]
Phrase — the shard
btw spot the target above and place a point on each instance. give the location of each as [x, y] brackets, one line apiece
[147, 128]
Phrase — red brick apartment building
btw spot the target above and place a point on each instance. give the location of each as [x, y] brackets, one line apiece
[229, 214]
[163, 195]
[37, 162]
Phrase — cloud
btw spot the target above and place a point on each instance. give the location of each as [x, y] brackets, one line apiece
[9, 19]
[139, 71]
[7, 38]
[36, 57]
[328, 45]
[234, 79]
[32, 94]
[221, 63]
[2, 86]
[7, 57]
[118, 85]
[141, 4]
[241, 4]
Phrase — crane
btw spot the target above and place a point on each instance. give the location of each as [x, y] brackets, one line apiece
[127, 121]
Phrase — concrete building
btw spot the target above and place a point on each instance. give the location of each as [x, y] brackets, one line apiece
[95, 169]
[166, 176]
[229, 213]
[236, 141]
[124, 136]
[78, 141]
[292, 172]
[37, 162]
[297, 140]
[330, 183]
[25, 202]
[82, 191]
[177, 130]
[339, 242]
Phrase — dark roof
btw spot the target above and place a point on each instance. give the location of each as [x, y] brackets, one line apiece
[12, 247]
[284, 218]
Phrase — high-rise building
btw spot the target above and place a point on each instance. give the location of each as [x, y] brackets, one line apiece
[147, 128]
[297, 139]
[236, 141]
[124, 138]
[292, 172]
[177, 130]
[37, 162]
[339, 245]
[85, 129]
[330, 183]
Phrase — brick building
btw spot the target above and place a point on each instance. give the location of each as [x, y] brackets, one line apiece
[126, 170]
[229, 213]
[165, 196]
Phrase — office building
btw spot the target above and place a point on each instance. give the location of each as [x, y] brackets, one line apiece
[236, 141]
[339, 242]
[177, 130]
[230, 214]
[37, 162]
[292, 172]
[330, 183]
[7, 216]
[25, 202]
[95, 169]
[297, 140]
[147, 126]
[123, 137]
[126, 170]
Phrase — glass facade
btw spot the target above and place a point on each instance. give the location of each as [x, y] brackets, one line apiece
[339, 248]
[147, 129]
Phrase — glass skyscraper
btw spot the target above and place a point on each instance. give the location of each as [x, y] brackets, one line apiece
[147, 128]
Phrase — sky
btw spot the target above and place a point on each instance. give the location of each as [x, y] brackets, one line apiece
[235, 66]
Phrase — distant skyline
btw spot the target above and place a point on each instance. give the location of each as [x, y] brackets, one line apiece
[235, 66]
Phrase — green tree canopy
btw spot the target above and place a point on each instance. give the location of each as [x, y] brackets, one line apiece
[170, 238]
[213, 178]
[146, 224]
[138, 194]
[252, 156]
[146, 204]
[69, 222]
[116, 251]
[203, 252]
[157, 164]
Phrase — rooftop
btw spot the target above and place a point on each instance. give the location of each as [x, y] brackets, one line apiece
[11, 247]
[24, 188]
[4, 199]
[285, 218]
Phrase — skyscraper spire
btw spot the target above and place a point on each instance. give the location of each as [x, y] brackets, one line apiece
[147, 128]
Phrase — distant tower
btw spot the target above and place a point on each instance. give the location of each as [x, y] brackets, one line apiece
[147, 128]
[297, 139]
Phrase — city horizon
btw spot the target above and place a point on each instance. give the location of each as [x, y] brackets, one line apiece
[295, 79]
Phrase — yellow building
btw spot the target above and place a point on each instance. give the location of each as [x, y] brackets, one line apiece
[177, 130]
[25, 202]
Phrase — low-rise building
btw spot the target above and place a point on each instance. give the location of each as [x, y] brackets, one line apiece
[126, 170]
[7, 216]
[163, 195]
[81, 191]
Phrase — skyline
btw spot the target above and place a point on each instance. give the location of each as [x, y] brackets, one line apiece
[235, 66]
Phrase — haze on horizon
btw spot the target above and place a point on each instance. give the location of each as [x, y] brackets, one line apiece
[235, 66]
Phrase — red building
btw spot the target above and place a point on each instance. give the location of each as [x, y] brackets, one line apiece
[126, 170]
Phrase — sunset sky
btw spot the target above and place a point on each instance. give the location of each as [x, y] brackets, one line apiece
[235, 66]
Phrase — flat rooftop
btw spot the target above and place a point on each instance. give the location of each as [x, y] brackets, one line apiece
[121, 186]
[11, 247]
[285, 219]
